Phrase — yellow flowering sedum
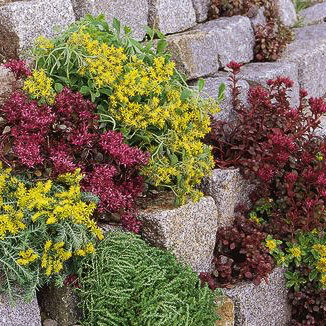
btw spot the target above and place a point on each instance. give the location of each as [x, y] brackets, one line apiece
[39, 86]
[46, 222]
[295, 252]
[138, 92]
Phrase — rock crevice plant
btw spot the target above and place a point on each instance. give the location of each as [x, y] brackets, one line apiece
[138, 92]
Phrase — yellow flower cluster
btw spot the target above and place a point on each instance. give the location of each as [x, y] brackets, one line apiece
[39, 85]
[295, 252]
[88, 249]
[271, 244]
[45, 206]
[321, 249]
[321, 265]
[44, 43]
[27, 257]
[104, 63]
[54, 255]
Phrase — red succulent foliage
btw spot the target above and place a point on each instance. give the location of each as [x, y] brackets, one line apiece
[53, 140]
[276, 147]
[308, 305]
[240, 254]
[18, 67]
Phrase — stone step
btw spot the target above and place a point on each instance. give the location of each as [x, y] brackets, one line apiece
[286, 12]
[205, 49]
[22, 21]
[201, 9]
[262, 305]
[6, 81]
[133, 13]
[189, 231]
[308, 51]
[170, 16]
[228, 189]
[22, 314]
[315, 14]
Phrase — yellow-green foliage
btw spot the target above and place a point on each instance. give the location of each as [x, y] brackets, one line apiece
[138, 92]
[306, 253]
[43, 228]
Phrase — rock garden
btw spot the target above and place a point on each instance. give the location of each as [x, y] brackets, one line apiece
[162, 162]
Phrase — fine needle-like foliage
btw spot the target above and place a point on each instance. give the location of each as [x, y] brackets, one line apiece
[129, 282]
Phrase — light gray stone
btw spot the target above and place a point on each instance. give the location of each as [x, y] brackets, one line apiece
[7, 80]
[211, 87]
[265, 304]
[201, 8]
[259, 18]
[314, 15]
[212, 45]
[308, 51]
[260, 73]
[21, 314]
[22, 21]
[50, 322]
[133, 13]
[189, 231]
[170, 16]
[228, 189]
[286, 11]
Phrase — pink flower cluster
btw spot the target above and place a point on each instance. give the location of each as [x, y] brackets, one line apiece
[18, 67]
[66, 136]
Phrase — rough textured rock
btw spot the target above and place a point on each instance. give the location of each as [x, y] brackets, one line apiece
[211, 89]
[6, 81]
[259, 18]
[133, 13]
[308, 51]
[265, 304]
[22, 21]
[171, 16]
[228, 189]
[314, 15]
[287, 12]
[209, 46]
[59, 304]
[201, 8]
[50, 322]
[260, 73]
[19, 315]
[184, 230]
[225, 311]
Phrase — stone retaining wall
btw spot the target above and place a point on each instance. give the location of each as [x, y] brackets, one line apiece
[201, 49]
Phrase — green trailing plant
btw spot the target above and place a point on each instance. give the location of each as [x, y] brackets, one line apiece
[129, 282]
[137, 91]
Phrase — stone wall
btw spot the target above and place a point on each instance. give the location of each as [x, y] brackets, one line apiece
[201, 49]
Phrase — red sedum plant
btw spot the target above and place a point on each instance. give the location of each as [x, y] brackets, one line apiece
[240, 255]
[56, 139]
[276, 147]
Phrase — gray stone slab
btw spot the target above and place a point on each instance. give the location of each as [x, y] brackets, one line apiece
[22, 21]
[133, 13]
[260, 73]
[314, 15]
[170, 16]
[201, 8]
[6, 82]
[190, 231]
[212, 45]
[308, 51]
[262, 305]
[211, 87]
[228, 189]
[22, 314]
[286, 12]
